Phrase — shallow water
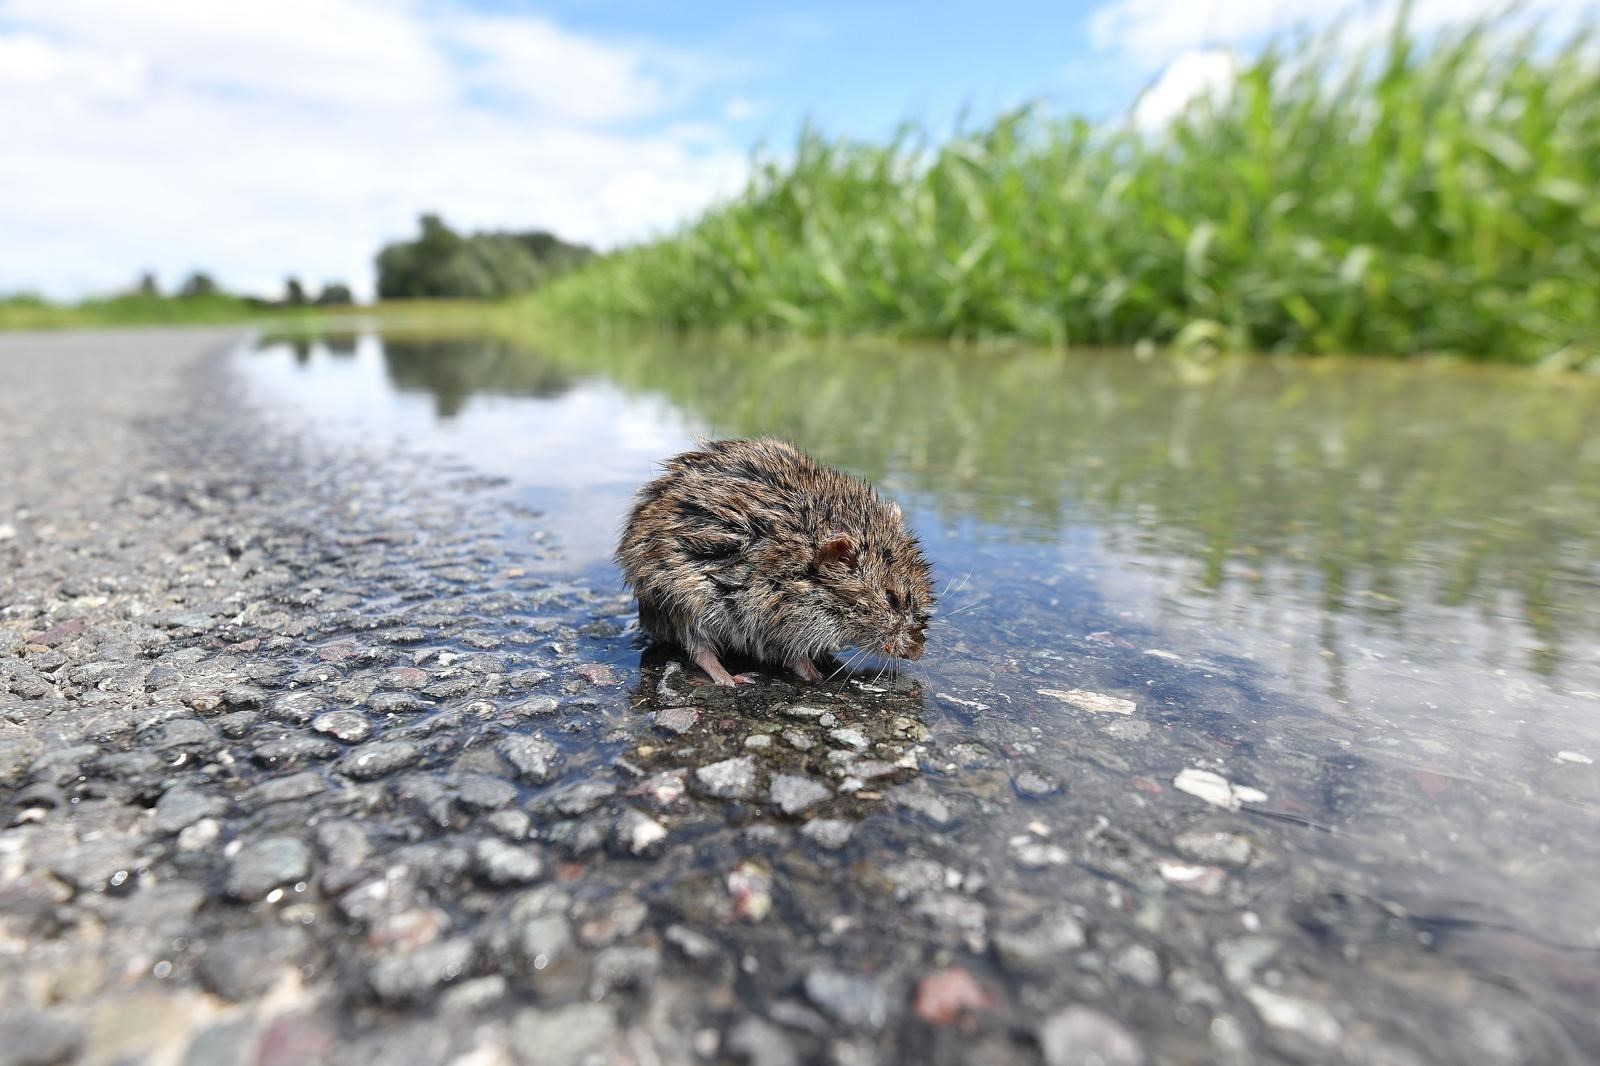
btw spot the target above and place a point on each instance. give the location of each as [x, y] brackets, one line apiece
[1367, 595]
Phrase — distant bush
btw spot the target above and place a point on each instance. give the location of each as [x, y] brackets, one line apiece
[442, 263]
[335, 294]
[199, 284]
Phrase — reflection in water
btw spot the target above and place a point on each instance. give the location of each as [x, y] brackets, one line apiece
[1366, 487]
[1362, 488]
[1368, 588]
[452, 370]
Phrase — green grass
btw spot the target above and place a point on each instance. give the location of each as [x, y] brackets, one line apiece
[31, 313]
[1432, 195]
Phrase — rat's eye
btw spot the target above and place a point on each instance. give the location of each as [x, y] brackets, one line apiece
[894, 601]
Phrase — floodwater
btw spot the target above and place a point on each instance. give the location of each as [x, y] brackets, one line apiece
[1341, 619]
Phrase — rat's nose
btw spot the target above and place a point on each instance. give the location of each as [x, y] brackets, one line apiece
[914, 651]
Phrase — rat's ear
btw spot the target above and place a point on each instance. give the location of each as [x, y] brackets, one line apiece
[837, 548]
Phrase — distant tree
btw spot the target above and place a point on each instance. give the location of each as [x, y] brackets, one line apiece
[443, 263]
[335, 294]
[148, 286]
[199, 284]
[294, 293]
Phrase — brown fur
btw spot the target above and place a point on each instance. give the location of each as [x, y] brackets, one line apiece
[751, 547]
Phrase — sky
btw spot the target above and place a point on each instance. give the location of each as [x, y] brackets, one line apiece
[258, 141]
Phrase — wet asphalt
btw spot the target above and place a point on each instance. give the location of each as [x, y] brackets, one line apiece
[315, 756]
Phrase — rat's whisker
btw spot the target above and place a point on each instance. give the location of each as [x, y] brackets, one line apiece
[965, 607]
[965, 657]
[845, 666]
[964, 579]
[946, 590]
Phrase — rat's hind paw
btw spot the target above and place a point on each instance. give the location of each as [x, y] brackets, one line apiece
[707, 660]
[806, 669]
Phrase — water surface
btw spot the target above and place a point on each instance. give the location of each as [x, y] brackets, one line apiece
[1369, 592]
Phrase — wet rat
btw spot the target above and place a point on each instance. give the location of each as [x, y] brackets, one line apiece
[752, 548]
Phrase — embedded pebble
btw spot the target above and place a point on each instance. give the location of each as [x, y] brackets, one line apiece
[1206, 880]
[750, 891]
[636, 833]
[1127, 729]
[263, 865]
[1033, 784]
[181, 807]
[830, 833]
[200, 836]
[760, 1043]
[1040, 944]
[536, 760]
[1311, 1020]
[945, 995]
[563, 1036]
[35, 1038]
[500, 863]
[347, 726]
[536, 707]
[677, 720]
[794, 795]
[1094, 702]
[920, 799]
[415, 975]
[483, 792]
[1083, 1036]
[853, 739]
[853, 1001]
[1138, 964]
[394, 703]
[1215, 789]
[377, 758]
[798, 740]
[1225, 849]
[728, 779]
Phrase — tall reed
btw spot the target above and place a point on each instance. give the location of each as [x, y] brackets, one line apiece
[1430, 194]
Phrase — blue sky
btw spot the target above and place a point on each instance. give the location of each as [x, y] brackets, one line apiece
[863, 67]
[262, 140]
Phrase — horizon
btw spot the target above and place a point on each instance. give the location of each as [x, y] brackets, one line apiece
[187, 138]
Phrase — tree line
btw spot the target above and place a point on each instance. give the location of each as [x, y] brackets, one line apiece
[201, 285]
[439, 264]
[443, 264]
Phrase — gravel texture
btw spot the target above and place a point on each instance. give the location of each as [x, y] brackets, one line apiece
[312, 756]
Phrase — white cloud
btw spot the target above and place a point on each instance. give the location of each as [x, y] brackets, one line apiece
[322, 51]
[532, 61]
[177, 135]
[1154, 32]
[740, 109]
[1205, 73]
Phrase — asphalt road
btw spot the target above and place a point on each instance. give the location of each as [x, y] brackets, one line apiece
[317, 756]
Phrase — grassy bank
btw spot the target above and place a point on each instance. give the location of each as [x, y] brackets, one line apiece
[1423, 196]
[26, 312]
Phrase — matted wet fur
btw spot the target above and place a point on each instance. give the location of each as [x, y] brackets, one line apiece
[752, 548]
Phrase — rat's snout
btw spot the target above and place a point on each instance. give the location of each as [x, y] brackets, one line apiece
[910, 647]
